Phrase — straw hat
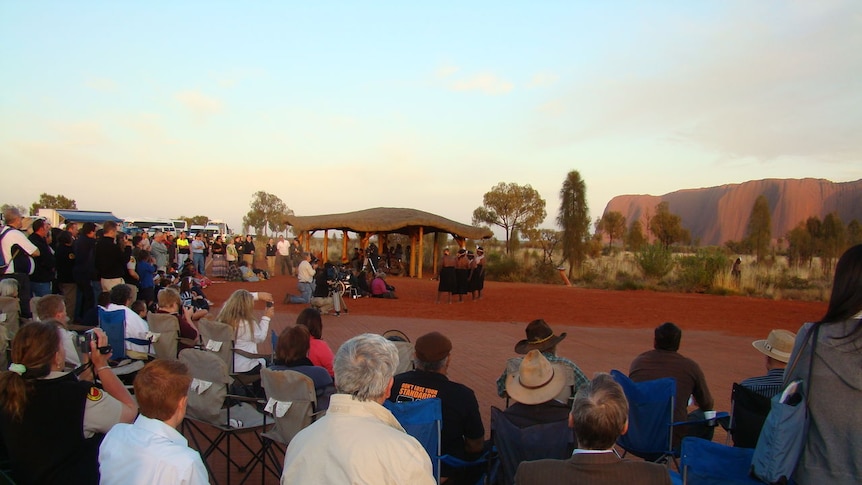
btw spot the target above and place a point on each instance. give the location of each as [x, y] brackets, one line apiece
[778, 345]
[539, 337]
[537, 380]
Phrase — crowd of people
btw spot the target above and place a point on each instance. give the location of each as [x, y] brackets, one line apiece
[58, 424]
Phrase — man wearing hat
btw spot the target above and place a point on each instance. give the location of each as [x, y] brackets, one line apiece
[777, 348]
[463, 433]
[541, 337]
[535, 388]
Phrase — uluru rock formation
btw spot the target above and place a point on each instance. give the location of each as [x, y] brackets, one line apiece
[715, 215]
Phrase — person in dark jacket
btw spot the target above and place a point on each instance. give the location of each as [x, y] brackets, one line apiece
[111, 257]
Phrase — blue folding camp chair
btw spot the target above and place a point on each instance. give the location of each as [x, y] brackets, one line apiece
[113, 323]
[706, 463]
[515, 445]
[422, 420]
[650, 433]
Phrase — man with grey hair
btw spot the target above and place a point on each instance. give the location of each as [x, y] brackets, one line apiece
[358, 441]
[599, 416]
[18, 254]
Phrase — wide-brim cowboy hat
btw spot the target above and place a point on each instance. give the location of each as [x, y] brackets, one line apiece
[540, 337]
[537, 380]
[778, 345]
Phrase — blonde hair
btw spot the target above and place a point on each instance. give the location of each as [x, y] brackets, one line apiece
[169, 296]
[237, 309]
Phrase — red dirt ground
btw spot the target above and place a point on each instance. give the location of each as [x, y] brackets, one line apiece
[606, 329]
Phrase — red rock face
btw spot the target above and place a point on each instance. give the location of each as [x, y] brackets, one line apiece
[715, 215]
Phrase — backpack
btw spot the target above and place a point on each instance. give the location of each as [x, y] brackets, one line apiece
[3, 263]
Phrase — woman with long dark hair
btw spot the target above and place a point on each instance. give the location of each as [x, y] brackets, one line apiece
[831, 454]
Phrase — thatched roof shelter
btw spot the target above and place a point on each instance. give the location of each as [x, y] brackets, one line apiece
[387, 220]
[382, 221]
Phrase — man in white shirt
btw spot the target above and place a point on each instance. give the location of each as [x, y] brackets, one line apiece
[151, 450]
[136, 327]
[18, 254]
[359, 441]
[283, 249]
[305, 277]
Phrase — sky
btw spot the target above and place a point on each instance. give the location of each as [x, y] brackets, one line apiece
[165, 109]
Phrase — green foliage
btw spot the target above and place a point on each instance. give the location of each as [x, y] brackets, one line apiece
[195, 220]
[499, 267]
[52, 202]
[667, 227]
[614, 225]
[801, 246]
[547, 240]
[574, 219]
[267, 213]
[511, 206]
[759, 231]
[655, 260]
[833, 236]
[697, 273]
[854, 233]
[635, 239]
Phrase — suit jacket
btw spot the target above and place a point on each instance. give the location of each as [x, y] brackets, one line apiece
[595, 469]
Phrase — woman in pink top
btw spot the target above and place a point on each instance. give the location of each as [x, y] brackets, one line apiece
[319, 352]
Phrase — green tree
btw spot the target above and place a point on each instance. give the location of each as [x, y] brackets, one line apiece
[267, 213]
[635, 239]
[801, 243]
[854, 233]
[573, 218]
[614, 225]
[832, 238]
[511, 207]
[667, 227]
[195, 220]
[547, 240]
[47, 201]
[759, 232]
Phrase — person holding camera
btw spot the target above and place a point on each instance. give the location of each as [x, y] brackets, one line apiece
[52, 422]
[238, 312]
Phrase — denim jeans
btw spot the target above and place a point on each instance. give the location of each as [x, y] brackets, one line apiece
[40, 288]
[199, 261]
[305, 292]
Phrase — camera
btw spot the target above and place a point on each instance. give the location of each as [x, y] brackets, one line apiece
[269, 304]
[90, 336]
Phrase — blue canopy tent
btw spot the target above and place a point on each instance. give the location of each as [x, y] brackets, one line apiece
[97, 217]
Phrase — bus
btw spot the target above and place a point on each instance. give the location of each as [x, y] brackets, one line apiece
[136, 225]
[180, 226]
[217, 228]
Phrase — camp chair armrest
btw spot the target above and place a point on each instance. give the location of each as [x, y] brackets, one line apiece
[718, 416]
[251, 355]
[190, 342]
[250, 400]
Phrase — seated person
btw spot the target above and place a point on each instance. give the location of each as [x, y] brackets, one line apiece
[599, 416]
[534, 389]
[139, 307]
[136, 327]
[323, 298]
[53, 307]
[51, 421]
[541, 337]
[379, 288]
[150, 450]
[247, 273]
[91, 316]
[463, 432]
[319, 352]
[777, 348]
[291, 352]
[169, 302]
[193, 295]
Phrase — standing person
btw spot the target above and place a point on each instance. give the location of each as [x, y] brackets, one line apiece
[44, 269]
[372, 448]
[183, 249]
[232, 250]
[159, 251]
[270, 257]
[197, 248]
[18, 254]
[110, 257]
[86, 276]
[145, 242]
[305, 284]
[49, 418]
[171, 244]
[146, 271]
[248, 250]
[462, 274]
[151, 450]
[477, 274]
[831, 453]
[65, 258]
[446, 277]
[295, 255]
[599, 416]
[282, 248]
[219, 252]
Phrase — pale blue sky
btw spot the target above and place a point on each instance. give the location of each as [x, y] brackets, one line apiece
[154, 108]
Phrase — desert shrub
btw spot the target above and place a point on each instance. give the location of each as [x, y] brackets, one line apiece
[698, 272]
[654, 260]
[543, 272]
[499, 267]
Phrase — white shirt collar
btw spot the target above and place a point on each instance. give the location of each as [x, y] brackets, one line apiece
[580, 451]
[159, 427]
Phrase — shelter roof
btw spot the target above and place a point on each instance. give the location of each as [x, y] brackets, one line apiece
[70, 215]
[387, 219]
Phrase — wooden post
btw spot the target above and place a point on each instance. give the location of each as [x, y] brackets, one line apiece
[421, 250]
[344, 257]
[326, 245]
[412, 252]
[436, 252]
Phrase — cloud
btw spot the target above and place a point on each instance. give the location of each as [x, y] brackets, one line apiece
[103, 85]
[446, 71]
[738, 87]
[543, 79]
[486, 83]
[199, 104]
